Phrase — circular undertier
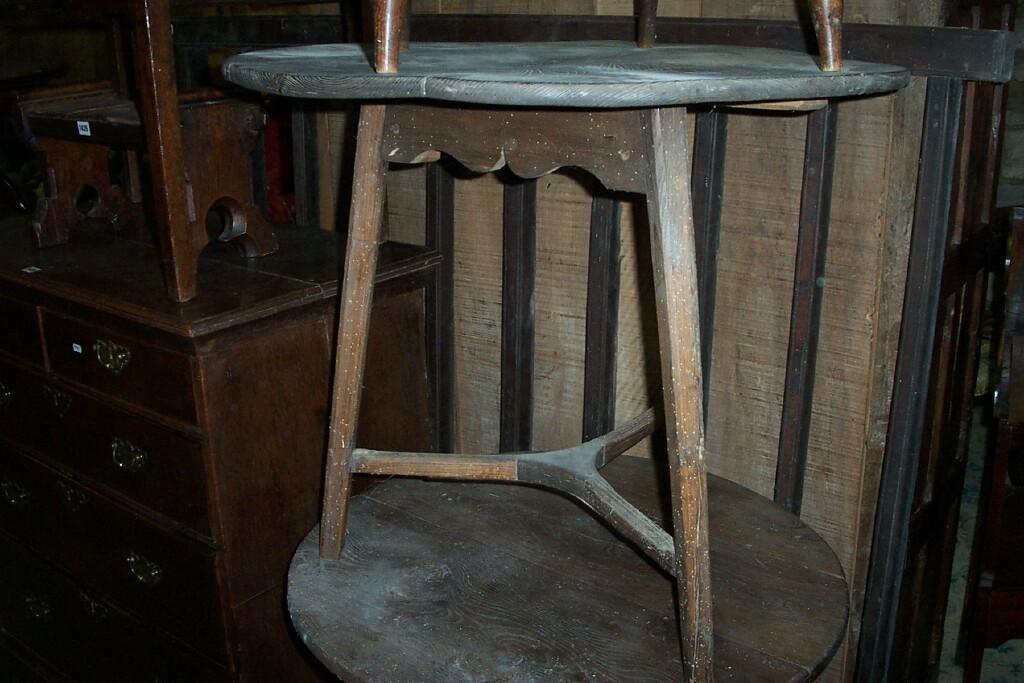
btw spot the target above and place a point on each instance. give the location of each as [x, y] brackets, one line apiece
[453, 582]
[605, 74]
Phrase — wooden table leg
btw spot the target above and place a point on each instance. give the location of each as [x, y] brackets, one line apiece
[675, 283]
[364, 235]
[828, 24]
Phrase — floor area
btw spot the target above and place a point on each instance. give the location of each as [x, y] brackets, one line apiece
[1006, 663]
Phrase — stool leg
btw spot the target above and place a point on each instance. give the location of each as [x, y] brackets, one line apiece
[675, 284]
[364, 234]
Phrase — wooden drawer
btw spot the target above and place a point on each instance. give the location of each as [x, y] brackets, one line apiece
[19, 331]
[156, 466]
[158, 575]
[126, 368]
[81, 634]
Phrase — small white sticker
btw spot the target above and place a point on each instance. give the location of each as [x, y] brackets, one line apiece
[84, 129]
[77, 348]
[28, 270]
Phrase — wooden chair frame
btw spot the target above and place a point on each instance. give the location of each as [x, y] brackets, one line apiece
[391, 30]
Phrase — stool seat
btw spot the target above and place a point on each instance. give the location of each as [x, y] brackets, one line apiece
[604, 74]
[446, 581]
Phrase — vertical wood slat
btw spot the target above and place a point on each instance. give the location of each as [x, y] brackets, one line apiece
[910, 390]
[602, 317]
[440, 304]
[707, 190]
[805, 315]
[306, 165]
[519, 265]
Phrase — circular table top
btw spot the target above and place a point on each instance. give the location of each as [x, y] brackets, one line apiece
[451, 582]
[604, 74]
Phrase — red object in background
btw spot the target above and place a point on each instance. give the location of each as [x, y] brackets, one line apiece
[278, 168]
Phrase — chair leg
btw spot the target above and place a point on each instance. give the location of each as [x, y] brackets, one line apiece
[646, 16]
[675, 283]
[828, 24]
[364, 235]
[389, 19]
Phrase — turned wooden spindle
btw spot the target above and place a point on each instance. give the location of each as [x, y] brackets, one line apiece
[389, 17]
[646, 13]
[828, 24]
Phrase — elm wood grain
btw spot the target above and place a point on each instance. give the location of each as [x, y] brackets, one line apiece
[518, 270]
[602, 316]
[448, 544]
[568, 74]
[83, 634]
[805, 316]
[675, 287]
[707, 186]
[364, 235]
[115, 554]
[903, 440]
[926, 51]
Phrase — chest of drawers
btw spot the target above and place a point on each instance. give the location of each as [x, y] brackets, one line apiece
[159, 462]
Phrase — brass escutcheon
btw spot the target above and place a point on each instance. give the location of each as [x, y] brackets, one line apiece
[111, 355]
[145, 572]
[13, 492]
[127, 456]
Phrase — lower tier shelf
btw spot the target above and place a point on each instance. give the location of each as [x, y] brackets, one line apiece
[445, 581]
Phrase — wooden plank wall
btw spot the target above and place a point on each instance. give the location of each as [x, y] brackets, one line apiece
[874, 189]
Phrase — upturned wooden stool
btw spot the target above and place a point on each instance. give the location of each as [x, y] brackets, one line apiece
[404, 602]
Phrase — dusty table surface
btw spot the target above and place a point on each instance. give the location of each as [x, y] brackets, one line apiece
[478, 582]
[601, 74]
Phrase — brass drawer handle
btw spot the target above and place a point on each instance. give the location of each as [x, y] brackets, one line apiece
[112, 355]
[73, 498]
[60, 401]
[94, 606]
[145, 572]
[127, 456]
[13, 492]
[6, 395]
[37, 607]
